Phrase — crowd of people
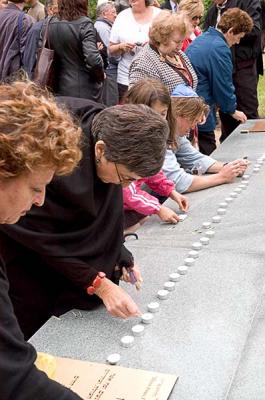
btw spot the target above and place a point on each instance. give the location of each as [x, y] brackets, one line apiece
[127, 121]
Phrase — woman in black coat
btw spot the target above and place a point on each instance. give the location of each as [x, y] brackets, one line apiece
[37, 141]
[57, 255]
[79, 69]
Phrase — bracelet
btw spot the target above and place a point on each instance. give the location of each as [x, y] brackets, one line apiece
[96, 283]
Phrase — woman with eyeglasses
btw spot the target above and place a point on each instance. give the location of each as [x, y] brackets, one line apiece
[162, 58]
[70, 254]
[194, 10]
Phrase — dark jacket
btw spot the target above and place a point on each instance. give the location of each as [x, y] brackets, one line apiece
[78, 231]
[19, 377]
[79, 70]
[12, 42]
[249, 48]
[211, 58]
[166, 5]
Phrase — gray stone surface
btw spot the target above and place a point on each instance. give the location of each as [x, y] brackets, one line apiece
[211, 328]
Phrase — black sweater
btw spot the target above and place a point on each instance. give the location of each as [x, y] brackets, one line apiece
[79, 230]
[19, 378]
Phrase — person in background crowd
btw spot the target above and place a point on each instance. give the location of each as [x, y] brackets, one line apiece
[194, 10]
[211, 58]
[162, 58]
[37, 141]
[36, 10]
[121, 5]
[34, 39]
[106, 15]
[246, 55]
[129, 33]
[171, 5]
[78, 66]
[76, 238]
[15, 25]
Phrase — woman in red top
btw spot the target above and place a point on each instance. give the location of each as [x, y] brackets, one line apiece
[194, 9]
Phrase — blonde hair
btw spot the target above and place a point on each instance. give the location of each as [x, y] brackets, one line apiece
[190, 108]
[35, 132]
[164, 25]
[192, 8]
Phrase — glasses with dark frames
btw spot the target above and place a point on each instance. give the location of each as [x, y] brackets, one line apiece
[123, 180]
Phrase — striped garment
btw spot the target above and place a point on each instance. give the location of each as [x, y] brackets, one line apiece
[148, 64]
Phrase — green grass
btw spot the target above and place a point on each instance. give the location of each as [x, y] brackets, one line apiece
[261, 96]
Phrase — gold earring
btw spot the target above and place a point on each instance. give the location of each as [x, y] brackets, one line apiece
[97, 160]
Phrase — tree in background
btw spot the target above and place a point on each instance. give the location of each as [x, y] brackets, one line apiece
[92, 5]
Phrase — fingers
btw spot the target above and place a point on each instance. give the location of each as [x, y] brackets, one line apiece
[123, 308]
[185, 205]
[125, 275]
[174, 219]
[137, 273]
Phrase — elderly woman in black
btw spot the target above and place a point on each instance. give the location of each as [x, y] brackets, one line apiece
[79, 69]
[70, 253]
[37, 141]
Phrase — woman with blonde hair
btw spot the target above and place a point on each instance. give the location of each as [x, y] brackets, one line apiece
[162, 58]
[37, 141]
[194, 10]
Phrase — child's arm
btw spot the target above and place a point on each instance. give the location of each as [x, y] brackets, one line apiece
[160, 184]
[136, 199]
[139, 200]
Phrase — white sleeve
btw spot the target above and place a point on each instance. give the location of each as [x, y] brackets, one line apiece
[175, 173]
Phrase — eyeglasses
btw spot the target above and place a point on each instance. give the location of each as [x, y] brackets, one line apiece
[196, 17]
[122, 180]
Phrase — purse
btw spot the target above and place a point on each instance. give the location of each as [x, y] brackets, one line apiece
[44, 70]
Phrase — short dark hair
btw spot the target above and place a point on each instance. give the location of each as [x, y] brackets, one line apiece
[236, 19]
[71, 10]
[134, 135]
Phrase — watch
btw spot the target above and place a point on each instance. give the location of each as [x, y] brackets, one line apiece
[96, 283]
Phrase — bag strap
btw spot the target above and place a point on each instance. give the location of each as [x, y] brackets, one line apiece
[20, 32]
[45, 32]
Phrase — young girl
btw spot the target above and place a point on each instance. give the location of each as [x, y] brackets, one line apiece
[137, 202]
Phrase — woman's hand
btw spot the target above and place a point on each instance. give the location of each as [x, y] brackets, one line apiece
[233, 169]
[117, 302]
[126, 274]
[168, 215]
[181, 200]
[239, 116]
[126, 47]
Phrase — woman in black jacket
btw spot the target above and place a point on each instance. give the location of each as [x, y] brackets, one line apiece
[79, 70]
[37, 140]
[72, 247]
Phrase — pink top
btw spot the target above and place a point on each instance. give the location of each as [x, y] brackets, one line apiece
[189, 40]
[134, 198]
